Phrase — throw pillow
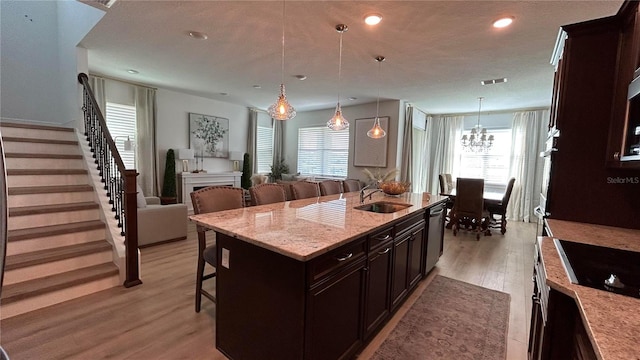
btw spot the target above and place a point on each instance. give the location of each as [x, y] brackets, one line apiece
[288, 177]
[142, 202]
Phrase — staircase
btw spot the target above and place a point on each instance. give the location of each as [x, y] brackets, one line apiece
[57, 248]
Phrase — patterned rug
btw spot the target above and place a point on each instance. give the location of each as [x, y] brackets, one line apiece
[451, 320]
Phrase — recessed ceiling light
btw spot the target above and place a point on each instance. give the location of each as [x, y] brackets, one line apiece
[372, 19]
[503, 22]
[224, 94]
[353, 98]
[493, 81]
[257, 87]
[131, 71]
[198, 35]
[301, 77]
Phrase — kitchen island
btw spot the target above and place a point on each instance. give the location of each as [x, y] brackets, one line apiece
[571, 319]
[317, 278]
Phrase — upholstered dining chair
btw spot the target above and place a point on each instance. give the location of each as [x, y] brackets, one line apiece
[206, 200]
[304, 189]
[330, 187]
[501, 207]
[350, 185]
[468, 208]
[268, 193]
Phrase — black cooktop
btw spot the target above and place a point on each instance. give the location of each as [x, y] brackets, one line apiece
[602, 268]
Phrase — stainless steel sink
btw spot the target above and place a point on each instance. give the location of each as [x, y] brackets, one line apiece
[383, 207]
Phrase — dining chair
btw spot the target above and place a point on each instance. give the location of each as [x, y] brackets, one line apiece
[207, 200]
[304, 189]
[468, 208]
[350, 185]
[501, 207]
[330, 187]
[268, 193]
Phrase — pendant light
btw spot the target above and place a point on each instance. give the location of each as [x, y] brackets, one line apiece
[377, 132]
[338, 122]
[281, 109]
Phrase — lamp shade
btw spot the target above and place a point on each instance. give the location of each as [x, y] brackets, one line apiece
[185, 154]
[236, 155]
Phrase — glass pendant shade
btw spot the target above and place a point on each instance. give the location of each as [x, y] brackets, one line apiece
[338, 122]
[376, 132]
[281, 109]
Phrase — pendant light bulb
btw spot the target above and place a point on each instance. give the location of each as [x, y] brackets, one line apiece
[377, 132]
[281, 109]
[338, 122]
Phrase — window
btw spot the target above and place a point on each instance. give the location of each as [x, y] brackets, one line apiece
[323, 152]
[492, 166]
[264, 149]
[121, 121]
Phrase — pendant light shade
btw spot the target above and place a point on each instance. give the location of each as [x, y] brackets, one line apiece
[281, 109]
[377, 132]
[338, 122]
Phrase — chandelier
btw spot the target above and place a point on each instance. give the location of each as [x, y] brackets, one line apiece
[281, 109]
[477, 141]
[338, 122]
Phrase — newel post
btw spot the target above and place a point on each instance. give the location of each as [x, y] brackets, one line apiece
[131, 231]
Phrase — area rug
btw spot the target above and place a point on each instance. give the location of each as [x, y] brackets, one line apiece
[451, 320]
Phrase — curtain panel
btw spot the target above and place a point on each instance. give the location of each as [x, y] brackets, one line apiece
[251, 140]
[406, 166]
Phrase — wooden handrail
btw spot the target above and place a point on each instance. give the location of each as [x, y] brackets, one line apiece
[120, 183]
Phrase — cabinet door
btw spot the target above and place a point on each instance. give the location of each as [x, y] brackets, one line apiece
[399, 270]
[378, 284]
[416, 246]
[334, 313]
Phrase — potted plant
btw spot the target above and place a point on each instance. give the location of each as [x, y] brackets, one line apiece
[278, 168]
[169, 194]
[245, 180]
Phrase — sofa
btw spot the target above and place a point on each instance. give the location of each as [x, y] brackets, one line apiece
[160, 223]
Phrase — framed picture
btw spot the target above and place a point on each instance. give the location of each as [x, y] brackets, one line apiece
[209, 135]
[367, 151]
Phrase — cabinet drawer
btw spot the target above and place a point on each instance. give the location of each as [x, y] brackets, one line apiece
[335, 260]
[380, 238]
[407, 224]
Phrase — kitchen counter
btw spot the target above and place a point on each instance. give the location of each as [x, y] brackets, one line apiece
[303, 229]
[612, 321]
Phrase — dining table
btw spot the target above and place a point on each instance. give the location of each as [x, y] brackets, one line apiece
[490, 198]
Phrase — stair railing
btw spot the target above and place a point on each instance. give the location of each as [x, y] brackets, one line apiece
[119, 182]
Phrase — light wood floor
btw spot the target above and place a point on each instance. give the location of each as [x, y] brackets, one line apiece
[156, 320]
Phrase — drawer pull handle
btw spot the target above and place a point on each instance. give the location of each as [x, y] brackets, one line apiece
[344, 257]
[384, 251]
[386, 237]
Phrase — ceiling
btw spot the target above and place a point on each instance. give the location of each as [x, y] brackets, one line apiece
[437, 52]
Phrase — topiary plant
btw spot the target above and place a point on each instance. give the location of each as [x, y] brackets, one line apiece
[169, 193]
[245, 180]
[278, 168]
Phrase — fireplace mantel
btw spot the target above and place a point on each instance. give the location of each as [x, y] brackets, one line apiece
[189, 182]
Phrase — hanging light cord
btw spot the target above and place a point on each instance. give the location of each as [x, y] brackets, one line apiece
[340, 66]
[378, 102]
[479, 107]
[282, 73]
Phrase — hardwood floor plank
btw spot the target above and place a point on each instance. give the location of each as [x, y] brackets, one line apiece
[156, 320]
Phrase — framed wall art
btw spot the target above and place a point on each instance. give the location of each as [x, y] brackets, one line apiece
[209, 135]
[367, 151]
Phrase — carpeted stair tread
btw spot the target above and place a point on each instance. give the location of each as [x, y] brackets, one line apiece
[23, 290]
[50, 209]
[37, 232]
[35, 126]
[42, 156]
[39, 141]
[18, 172]
[49, 255]
[27, 190]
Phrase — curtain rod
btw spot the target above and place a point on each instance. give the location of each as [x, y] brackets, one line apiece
[123, 81]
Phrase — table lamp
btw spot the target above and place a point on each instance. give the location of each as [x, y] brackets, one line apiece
[185, 155]
[236, 156]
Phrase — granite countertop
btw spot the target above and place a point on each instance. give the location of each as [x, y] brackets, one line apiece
[304, 229]
[612, 321]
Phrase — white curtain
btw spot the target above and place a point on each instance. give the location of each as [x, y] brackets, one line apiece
[406, 167]
[278, 140]
[146, 156]
[525, 166]
[98, 87]
[251, 140]
[420, 152]
[443, 134]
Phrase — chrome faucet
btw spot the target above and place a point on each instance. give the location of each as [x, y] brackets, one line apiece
[363, 196]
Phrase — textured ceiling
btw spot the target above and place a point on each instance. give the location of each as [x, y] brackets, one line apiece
[437, 51]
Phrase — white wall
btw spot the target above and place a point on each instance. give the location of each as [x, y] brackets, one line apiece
[493, 120]
[351, 113]
[38, 68]
[172, 130]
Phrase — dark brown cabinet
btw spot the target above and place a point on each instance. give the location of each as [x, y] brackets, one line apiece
[416, 244]
[377, 306]
[399, 270]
